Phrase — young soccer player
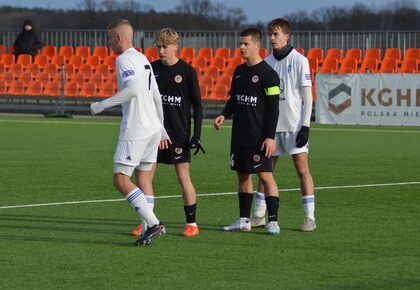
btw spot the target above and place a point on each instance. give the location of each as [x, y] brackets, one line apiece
[141, 127]
[178, 85]
[292, 132]
[254, 98]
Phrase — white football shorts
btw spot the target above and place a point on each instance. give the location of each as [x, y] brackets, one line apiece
[136, 154]
[286, 144]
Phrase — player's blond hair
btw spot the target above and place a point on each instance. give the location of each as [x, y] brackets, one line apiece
[167, 36]
[281, 23]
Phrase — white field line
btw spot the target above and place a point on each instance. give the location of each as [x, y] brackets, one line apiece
[205, 126]
[209, 194]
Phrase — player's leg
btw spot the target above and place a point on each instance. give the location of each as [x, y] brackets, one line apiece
[271, 200]
[188, 194]
[144, 180]
[258, 215]
[245, 196]
[300, 161]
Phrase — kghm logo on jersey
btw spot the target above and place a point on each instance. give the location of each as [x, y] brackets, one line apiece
[171, 100]
[246, 100]
[178, 79]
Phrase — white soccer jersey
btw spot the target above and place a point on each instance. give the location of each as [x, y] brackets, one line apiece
[294, 73]
[140, 119]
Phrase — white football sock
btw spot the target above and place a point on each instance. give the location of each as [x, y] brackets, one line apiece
[308, 203]
[260, 206]
[139, 202]
[151, 202]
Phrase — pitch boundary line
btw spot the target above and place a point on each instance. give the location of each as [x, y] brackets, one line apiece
[205, 126]
[208, 194]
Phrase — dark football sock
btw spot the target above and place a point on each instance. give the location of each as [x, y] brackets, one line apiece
[272, 207]
[190, 211]
[245, 204]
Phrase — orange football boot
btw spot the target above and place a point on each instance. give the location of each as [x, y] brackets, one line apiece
[191, 231]
[137, 231]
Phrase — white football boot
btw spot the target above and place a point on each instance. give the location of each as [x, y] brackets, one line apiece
[242, 224]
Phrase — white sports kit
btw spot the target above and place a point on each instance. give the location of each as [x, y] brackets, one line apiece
[294, 73]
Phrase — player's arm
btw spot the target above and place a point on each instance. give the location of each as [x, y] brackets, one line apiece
[229, 107]
[127, 93]
[194, 92]
[271, 113]
[303, 135]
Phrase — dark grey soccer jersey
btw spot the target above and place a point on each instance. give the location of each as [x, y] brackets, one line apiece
[178, 85]
[254, 103]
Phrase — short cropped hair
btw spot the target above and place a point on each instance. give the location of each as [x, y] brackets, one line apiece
[255, 33]
[117, 23]
[282, 23]
[166, 36]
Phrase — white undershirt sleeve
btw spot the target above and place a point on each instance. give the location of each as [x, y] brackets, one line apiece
[307, 105]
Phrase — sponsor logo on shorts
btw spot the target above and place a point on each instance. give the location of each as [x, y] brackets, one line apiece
[178, 79]
[178, 150]
[256, 158]
[255, 79]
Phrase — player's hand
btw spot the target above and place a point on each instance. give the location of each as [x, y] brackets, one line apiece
[218, 122]
[96, 108]
[164, 144]
[268, 146]
[196, 144]
[302, 137]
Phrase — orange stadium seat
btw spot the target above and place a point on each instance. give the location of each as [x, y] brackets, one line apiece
[187, 54]
[51, 89]
[219, 92]
[49, 51]
[43, 78]
[69, 70]
[88, 90]
[218, 62]
[235, 61]
[3, 49]
[407, 70]
[389, 65]
[83, 51]
[86, 70]
[346, 70]
[224, 80]
[317, 53]
[263, 52]
[34, 89]
[199, 71]
[26, 77]
[336, 53]
[106, 90]
[228, 71]
[212, 71]
[16, 88]
[101, 51]
[7, 76]
[300, 50]
[3, 87]
[97, 79]
[104, 70]
[393, 53]
[355, 53]
[313, 64]
[78, 78]
[151, 53]
[59, 60]
[331, 63]
[203, 91]
[412, 53]
[370, 64]
[207, 53]
[67, 51]
[51, 69]
[208, 81]
[348, 63]
[24, 59]
[7, 59]
[200, 62]
[408, 63]
[71, 89]
[76, 60]
[93, 60]
[41, 60]
[326, 70]
[373, 53]
[2, 68]
[33, 68]
[16, 68]
[223, 52]
[110, 60]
